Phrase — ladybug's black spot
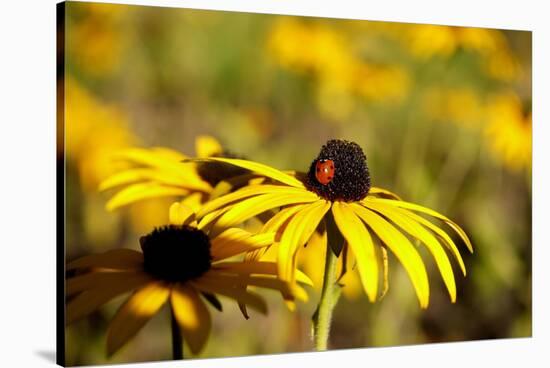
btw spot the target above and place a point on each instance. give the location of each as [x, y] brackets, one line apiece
[176, 253]
[214, 172]
[351, 180]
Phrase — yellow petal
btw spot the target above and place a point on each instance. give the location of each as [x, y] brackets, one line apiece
[133, 314]
[207, 146]
[240, 294]
[296, 234]
[256, 254]
[427, 211]
[95, 280]
[260, 169]
[123, 259]
[282, 218]
[192, 316]
[180, 214]
[254, 267]
[137, 192]
[266, 282]
[140, 174]
[385, 268]
[402, 248]
[168, 162]
[426, 237]
[359, 240]
[208, 219]
[245, 192]
[439, 232]
[222, 188]
[253, 206]
[89, 300]
[193, 201]
[234, 241]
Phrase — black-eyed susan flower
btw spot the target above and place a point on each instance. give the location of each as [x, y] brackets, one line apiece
[181, 265]
[336, 197]
[159, 172]
[370, 219]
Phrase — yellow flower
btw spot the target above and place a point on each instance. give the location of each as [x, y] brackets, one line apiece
[508, 132]
[426, 41]
[180, 264]
[160, 172]
[311, 47]
[93, 131]
[461, 105]
[336, 196]
[318, 50]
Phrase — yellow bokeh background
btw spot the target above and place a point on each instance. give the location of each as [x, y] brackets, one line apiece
[442, 113]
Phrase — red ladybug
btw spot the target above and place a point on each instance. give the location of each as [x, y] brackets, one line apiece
[324, 171]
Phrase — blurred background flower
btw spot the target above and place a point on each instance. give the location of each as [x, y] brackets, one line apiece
[443, 114]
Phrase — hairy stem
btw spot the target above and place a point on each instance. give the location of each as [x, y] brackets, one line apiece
[329, 297]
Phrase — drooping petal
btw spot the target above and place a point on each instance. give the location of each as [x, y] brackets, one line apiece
[275, 224]
[239, 294]
[89, 300]
[166, 161]
[296, 234]
[133, 314]
[264, 281]
[180, 214]
[254, 267]
[281, 218]
[192, 316]
[95, 280]
[427, 211]
[385, 273]
[402, 248]
[447, 241]
[245, 192]
[359, 240]
[208, 219]
[267, 282]
[122, 259]
[253, 206]
[213, 300]
[137, 192]
[193, 201]
[220, 189]
[260, 169]
[234, 241]
[419, 232]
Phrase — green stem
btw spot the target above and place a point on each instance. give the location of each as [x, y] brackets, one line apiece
[177, 338]
[329, 297]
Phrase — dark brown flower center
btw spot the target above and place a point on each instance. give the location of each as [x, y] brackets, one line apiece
[340, 172]
[176, 253]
